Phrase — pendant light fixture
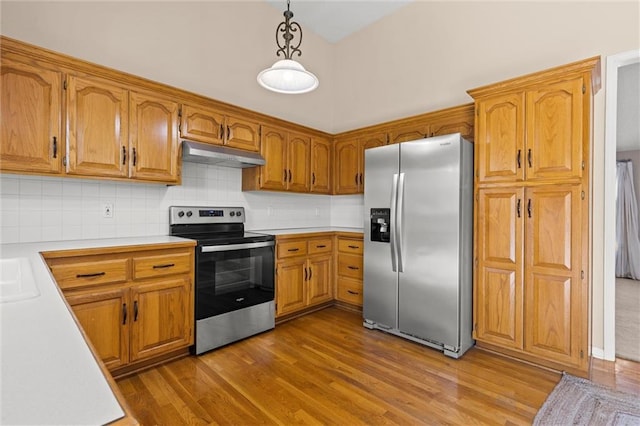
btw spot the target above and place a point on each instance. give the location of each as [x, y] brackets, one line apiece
[287, 75]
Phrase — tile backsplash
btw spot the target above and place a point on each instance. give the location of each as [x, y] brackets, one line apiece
[37, 208]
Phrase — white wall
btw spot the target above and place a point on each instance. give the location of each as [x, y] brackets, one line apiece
[634, 156]
[213, 48]
[38, 208]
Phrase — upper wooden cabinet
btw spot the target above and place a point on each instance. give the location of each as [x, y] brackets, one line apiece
[348, 162]
[153, 138]
[320, 166]
[408, 133]
[536, 130]
[97, 127]
[30, 129]
[207, 125]
[288, 163]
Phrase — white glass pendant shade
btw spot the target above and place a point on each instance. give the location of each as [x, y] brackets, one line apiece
[287, 76]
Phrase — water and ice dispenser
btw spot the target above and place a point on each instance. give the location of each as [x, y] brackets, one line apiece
[380, 222]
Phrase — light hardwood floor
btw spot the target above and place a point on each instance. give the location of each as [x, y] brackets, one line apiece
[325, 368]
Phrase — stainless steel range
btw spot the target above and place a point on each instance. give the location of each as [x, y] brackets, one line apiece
[234, 284]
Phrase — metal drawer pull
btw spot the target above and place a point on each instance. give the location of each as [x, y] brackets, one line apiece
[293, 249]
[168, 265]
[352, 292]
[354, 247]
[352, 267]
[321, 246]
[97, 274]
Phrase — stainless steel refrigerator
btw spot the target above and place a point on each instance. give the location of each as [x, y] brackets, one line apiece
[418, 200]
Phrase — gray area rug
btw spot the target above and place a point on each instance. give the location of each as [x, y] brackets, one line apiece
[576, 401]
[628, 319]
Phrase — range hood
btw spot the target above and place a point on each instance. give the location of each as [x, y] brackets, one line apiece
[196, 152]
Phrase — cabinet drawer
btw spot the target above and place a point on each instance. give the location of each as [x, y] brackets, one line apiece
[291, 248]
[350, 246]
[350, 291]
[324, 245]
[90, 272]
[350, 266]
[161, 265]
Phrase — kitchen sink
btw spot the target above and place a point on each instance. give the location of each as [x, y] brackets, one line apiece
[16, 280]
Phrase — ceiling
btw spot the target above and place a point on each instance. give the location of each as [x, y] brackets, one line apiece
[334, 20]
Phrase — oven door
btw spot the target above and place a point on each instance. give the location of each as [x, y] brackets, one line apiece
[232, 277]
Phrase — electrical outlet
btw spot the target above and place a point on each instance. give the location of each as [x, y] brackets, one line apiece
[107, 210]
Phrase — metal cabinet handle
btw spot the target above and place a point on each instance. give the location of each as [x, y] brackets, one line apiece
[352, 292]
[167, 265]
[321, 246]
[518, 207]
[228, 133]
[354, 247]
[124, 313]
[221, 132]
[313, 178]
[518, 159]
[284, 179]
[293, 249]
[529, 157]
[529, 207]
[289, 175]
[55, 147]
[135, 156]
[96, 274]
[360, 178]
[305, 274]
[310, 273]
[124, 155]
[355, 268]
[135, 310]
[356, 178]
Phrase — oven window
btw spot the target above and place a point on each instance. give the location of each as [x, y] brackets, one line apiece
[231, 280]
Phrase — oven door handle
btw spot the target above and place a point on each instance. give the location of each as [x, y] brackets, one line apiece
[229, 247]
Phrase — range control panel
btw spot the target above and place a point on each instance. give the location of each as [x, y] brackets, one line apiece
[185, 215]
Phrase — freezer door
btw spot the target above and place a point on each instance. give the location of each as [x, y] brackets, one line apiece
[430, 219]
[380, 293]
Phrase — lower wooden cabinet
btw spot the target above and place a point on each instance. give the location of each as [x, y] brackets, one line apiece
[349, 270]
[133, 305]
[304, 272]
[531, 291]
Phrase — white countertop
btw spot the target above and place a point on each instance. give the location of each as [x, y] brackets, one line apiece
[286, 231]
[48, 374]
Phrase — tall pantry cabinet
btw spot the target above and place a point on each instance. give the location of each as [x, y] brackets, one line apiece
[532, 212]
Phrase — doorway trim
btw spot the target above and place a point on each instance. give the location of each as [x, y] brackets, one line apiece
[614, 62]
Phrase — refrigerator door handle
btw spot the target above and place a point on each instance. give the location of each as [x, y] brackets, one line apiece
[399, 221]
[392, 219]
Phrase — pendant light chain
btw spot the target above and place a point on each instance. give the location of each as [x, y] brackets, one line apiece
[288, 30]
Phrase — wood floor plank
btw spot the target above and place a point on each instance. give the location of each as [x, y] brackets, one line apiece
[326, 368]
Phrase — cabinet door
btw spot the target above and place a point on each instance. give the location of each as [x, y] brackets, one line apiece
[556, 307]
[498, 289]
[371, 141]
[153, 138]
[273, 147]
[298, 160]
[242, 134]
[319, 282]
[408, 133]
[105, 318]
[162, 317]
[290, 290]
[97, 127]
[202, 124]
[31, 105]
[347, 167]
[320, 166]
[499, 145]
[449, 125]
[554, 131]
